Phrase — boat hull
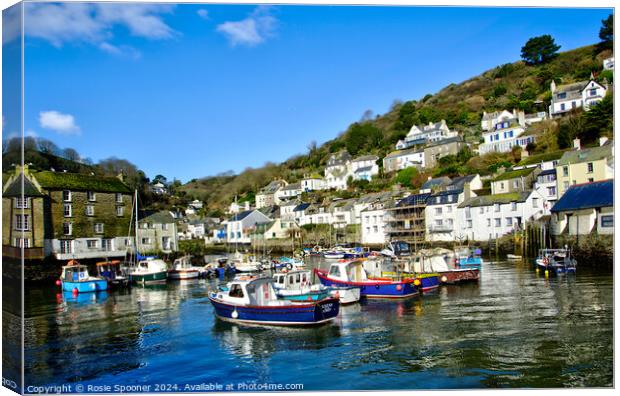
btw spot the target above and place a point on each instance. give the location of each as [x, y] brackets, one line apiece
[88, 286]
[374, 288]
[153, 277]
[428, 282]
[310, 314]
[183, 274]
[470, 262]
[556, 269]
[459, 275]
[347, 295]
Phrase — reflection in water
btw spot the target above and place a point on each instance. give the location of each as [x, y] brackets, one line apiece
[514, 328]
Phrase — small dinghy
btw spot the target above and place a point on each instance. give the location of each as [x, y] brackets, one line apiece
[254, 301]
[513, 257]
[559, 261]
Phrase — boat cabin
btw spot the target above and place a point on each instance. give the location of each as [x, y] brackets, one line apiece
[425, 261]
[110, 269]
[292, 280]
[254, 291]
[153, 265]
[352, 271]
[397, 249]
[184, 262]
[74, 272]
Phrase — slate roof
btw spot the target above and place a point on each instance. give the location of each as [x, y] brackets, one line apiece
[586, 154]
[366, 158]
[292, 186]
[443, 197]
[412, 200]
[446, 141]
[598, 194]
[301, 207]
[547, 172]
[458, 183]
[436, 182]
[514, 174]
[161, 217]
[537, 159]
[15, 188]
[272, 187]
[400, 153]
[363, 169]
[49, 180]
[241, 215]
[487, 200]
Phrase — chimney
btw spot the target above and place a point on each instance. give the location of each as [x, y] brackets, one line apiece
[467, 191]
[121, 176]
[602, 140]
[577, 144]
[521, 118]
[553, 86]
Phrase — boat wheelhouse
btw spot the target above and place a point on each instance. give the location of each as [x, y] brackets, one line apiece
[112, 272]
[149, 271]
[352, 273]
[182, 269]
[297, 286]
[443, 262]
[254, 301]
[468, 258]
[75, 278]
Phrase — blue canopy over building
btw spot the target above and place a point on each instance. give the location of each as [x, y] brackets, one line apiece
[598, 194]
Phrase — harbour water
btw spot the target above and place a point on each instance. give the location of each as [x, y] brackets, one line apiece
[515, 328]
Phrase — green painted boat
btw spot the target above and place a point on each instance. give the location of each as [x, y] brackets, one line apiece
[149, 271]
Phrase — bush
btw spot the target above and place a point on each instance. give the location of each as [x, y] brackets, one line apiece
[405, 176]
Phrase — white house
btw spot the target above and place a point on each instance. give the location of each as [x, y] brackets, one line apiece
[312, 183]
[565, 98]
[287, 210]
[299, 212]
[504, 132]
[337, 170]
[402, 159]
[287, 192]
[488, 217]
[372, 224]
[364, 167]
[585, 208]
[315, 214]
[238, 207]
[433, 132]
[240, 226]
[267, 195]
[157, 232]
[342, 213]
[489, 120]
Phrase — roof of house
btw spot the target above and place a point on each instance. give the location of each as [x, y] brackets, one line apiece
[292, 186]
[585, 196]
[400, 153]
[15, 189]
[413, 199]
[544, 157]
[272, 187]
[368, 157]
[161, 217]
[241, 215]
[486, 200]
[270, 211]
[261, 228]
[460, 181]
[301, 206]
[513, 174]
[79, 182]
[436, 182]
[587, 154]
[454, 139]
[339, 158]
[547, 172]
[363, 169]
[443, 197]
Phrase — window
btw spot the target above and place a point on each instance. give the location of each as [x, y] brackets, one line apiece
[481, 211]
[107, 245]
[449, 222]
[593, 92]
[67, 228]
[90, 195]
[509, 221]
[535, 202]
[565, 185]
[590, 167]
[375, 229]
[607, 221]
[368, 230]
[438, 211]
[515, 183]
[66, 246]
[469, 223]
[146, 241]
[562, 106]
[21, 222]
[236, 291]
[562, 95]
[99, 228]
[513, 206]
[496, 207]
[164, 226]
[22, 243]
[565, 171]
[449, 209]
[498, 222]
[90, 210]
[590, 179]
[67, 210]
[66, 196]
[334, 271]
[91, 243]
[439, 222]
[119, 210]
[573, 104]
[501, 185]
[22, 203]
[165, 242]
[488, 222]
[119, 197]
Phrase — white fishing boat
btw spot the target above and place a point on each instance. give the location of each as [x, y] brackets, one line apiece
[243, 263]
[182, 269]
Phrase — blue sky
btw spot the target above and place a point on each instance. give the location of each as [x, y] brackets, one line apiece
[192, 90]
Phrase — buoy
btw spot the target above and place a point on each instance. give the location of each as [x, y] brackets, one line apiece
[416, 282]
[444, 279]
[75, 290]
[58, 282]
[399, 287]
[309, 298]
[546, 272]
[234, 314]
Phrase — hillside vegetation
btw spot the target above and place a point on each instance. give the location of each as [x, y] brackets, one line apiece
[510, 86]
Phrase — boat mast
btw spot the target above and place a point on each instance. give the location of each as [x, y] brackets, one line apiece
[136, 223]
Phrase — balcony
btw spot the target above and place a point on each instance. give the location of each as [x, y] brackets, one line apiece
[29, 253]
[90, 253]
[435, 228]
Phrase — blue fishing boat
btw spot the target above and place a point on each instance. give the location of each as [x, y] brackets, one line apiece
[558, 261]
[75, 278]
[468, 258]
[352, 273]
[254, 301]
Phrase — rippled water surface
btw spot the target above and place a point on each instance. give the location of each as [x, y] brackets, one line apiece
[514, 328]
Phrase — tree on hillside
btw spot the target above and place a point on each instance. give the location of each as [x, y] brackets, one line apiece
[539, 50]
[606, 34]
[71, 154]
[48, 147]
[160, 178]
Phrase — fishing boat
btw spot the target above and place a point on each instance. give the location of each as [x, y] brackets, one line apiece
[253, 300]
[242, 263]
[297, 286]
[290, 263]
[559, 261]
[112, 272]
[352, 273]
[396, 249]
[468, 258]
[182, 269]
[333, 255]
[443, 263]
[76, 279]
[149, 271]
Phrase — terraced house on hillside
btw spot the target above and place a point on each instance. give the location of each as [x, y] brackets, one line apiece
[66, 215]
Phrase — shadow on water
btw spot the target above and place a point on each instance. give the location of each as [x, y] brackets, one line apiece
[513, 328]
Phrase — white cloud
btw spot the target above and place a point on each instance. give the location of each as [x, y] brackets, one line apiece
[253, 30]
[11, 24]
[94, 23]
[59, 122]
[204, 14]
[122, 50]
